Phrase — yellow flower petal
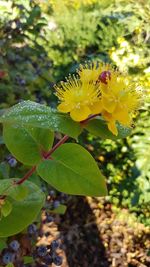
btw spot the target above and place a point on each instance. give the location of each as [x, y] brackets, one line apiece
[96, 107]
[88, 76]
[80, 114]
[107, 116]
[89, 72]
[112, 127]
[122, 116]
[64, 107]
[108, 103]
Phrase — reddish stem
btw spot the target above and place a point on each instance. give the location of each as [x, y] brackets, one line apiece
[62, 141]
[88, 119]
[31, 171]
[48, 154]
[27, 175]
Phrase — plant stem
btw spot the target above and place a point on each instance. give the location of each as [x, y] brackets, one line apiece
[48, 154]
[62, 141]
[33, 169]
[27, 175]
[88, 119]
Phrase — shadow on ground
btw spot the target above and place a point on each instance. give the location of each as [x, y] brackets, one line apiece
[82, 243]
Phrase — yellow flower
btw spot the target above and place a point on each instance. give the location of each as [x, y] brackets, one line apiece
[120, 99]
[78, 97]
[91, 71]
[99, 89]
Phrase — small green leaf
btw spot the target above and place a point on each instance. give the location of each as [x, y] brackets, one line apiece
[98, 127]
[5, 184]
[23, 212]
[18, 193]
[3, 243]
[10, 265]
[21, 144]
[28, 113]
[27, 144]
[74, 171]
[6, 208]
[27, 260]
[60, 210]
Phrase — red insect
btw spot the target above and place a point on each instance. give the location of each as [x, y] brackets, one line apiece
[104, 76]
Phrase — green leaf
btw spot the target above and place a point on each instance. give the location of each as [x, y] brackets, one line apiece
[6, 208]
[3, 243]
[21, 144]
[10, 265]
[18, 193]
[27, 260]
[5, 184]
[28, 113]
[23, 212]
[4, 170]
[44, 137]
[73, 170]
[1, 140]
[27, 144]
[35, 13]
[98, 127]
[61, 209]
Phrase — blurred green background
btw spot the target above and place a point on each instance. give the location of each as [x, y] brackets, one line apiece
[41, 42]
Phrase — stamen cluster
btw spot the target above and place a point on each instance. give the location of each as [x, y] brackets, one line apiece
[99, 89]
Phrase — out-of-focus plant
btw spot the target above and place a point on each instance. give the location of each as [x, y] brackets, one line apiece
[25, 68]
[57, 5]
[132, 52]
[126, 164]
[140, 143]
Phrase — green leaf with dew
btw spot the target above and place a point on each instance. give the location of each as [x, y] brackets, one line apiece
[74, 171]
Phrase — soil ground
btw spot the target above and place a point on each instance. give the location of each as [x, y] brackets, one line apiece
[93, 235]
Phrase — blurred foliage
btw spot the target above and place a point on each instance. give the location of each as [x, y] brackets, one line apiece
[42, 41]
[126, 165]
[25, 66]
